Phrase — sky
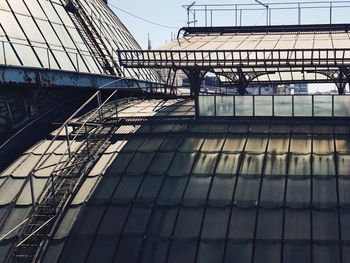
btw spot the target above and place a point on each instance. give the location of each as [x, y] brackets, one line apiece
[171, 16]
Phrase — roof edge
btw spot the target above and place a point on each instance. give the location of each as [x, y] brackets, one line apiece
[266, 29]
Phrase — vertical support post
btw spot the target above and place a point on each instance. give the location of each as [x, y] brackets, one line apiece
[236, 15]
[67, 140]
[273, 105]
[211, 17]
[313, 105]
[206, 16]
[194, 18]
[293, 105]
[215, 102]
[253, 105]
[76, 57]
[4, 52]
[99, 103]
[299, 14]
[332, 105]
[48, 58]
[87, 142]
[32, 189]
[116, 104]
[330, 12]
[234, 105]
[195, 77]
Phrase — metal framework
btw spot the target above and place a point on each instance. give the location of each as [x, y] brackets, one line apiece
[264, 55]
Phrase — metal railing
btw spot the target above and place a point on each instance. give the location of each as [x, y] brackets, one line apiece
[221, 105]
[267, 13]
[68, 151]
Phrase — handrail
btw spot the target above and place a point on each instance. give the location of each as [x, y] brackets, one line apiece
[36, 231]
[205, 11]
[39, 162]
[13, 229]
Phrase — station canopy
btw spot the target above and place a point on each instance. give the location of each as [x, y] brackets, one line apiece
[263, 54]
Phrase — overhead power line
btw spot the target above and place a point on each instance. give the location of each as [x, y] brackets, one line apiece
[141, 18]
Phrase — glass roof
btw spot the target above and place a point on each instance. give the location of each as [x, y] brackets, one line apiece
[42, 33]
[218, 193]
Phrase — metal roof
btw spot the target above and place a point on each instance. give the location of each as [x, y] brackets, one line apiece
[214, 192]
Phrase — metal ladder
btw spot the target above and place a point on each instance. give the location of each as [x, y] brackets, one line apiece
[65, 182]
[92, 38]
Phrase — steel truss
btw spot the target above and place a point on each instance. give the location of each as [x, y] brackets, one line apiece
[244, 67]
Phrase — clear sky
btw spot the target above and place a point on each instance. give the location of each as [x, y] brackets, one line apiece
[170, 13]
[173, 16]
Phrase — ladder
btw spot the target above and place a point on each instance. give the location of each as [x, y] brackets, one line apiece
[92, 37]
[65, 182]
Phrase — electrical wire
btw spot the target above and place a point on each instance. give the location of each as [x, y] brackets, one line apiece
[143, 19]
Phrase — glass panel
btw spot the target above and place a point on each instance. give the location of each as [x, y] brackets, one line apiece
[162, 222]
[215, 223]
[256, 143]
[341, 105]
[197, 191]
[187, 225]
[221, 191]
[205, 164]
[63, 60]
[270, 224]
[10, 25]
[206, 105]
[35, 9]
[244, 105]
[252, 164]
[30, 29]
[19, 7]
[27, 55]
[323, 105]
[297, 224]
[10, 56]
[228, 164]
[263, 105]
[300, 165]
[276, 164]
[278, 143]
[224, 106]
[242, 223]
[302, 105]
[283, 106]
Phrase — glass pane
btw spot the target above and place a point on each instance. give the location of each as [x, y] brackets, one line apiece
[224, 105]
[244, 105]
[283, 106]
[302, 105]
[30, 29]
[206, 106]
[27, 55]
[341, 105]
[10, 25]
[263, 105]
[10, 56]
[323, 105]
